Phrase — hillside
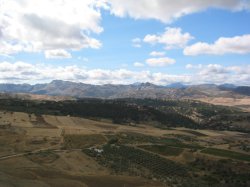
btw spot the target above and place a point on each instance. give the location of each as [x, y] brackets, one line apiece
[45, 150]
[160, 113]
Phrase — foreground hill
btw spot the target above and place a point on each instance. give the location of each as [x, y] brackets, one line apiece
[59, 150]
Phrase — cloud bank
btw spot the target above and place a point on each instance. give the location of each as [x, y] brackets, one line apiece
[234, 45]
[22, 72]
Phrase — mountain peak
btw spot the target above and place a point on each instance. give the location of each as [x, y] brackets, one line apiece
[176, 85]
[59, 82]
[147, 84]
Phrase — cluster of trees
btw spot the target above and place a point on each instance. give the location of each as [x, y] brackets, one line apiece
[122, 158]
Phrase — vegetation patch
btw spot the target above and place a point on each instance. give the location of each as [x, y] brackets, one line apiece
[77, 141]
[177, 143]
[41, 123]
[221, 171]
[226, 153]
[129, 159]
[134, 138]
[137, 138]
[163, 149]
[196, 133]
[43, 157]
[183, 137]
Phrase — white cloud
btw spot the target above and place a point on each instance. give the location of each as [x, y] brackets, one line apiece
[57, 53]
[22, 72]
[164, 61]
[191, 66]
[33, 26]
[234, 45]
[168, 10]
[172, 38]
[138, 64]
[136, 42]
[218, 74]
[18, 66]
[136, 45]
[84, 59]
[164, 79]
[213, 69]
[157, 53]
[152, 39]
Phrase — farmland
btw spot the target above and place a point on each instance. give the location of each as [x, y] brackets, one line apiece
[227, 154]
[163, 150]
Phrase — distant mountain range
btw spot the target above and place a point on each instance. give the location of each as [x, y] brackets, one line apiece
[137, 90]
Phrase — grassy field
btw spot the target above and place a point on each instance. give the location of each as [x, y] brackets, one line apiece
[83, 141]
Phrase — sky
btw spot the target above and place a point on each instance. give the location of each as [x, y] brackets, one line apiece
[125, 41]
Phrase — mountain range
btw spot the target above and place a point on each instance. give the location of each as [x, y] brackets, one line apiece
[137, 90]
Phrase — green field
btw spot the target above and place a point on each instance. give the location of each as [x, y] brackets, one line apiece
[226, 153]
[196, 133]
[128, 159]
[177, 143]
[163, 149]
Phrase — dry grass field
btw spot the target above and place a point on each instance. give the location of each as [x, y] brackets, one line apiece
[242, 103]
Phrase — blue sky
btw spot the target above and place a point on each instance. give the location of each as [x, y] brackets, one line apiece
[121, 42]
